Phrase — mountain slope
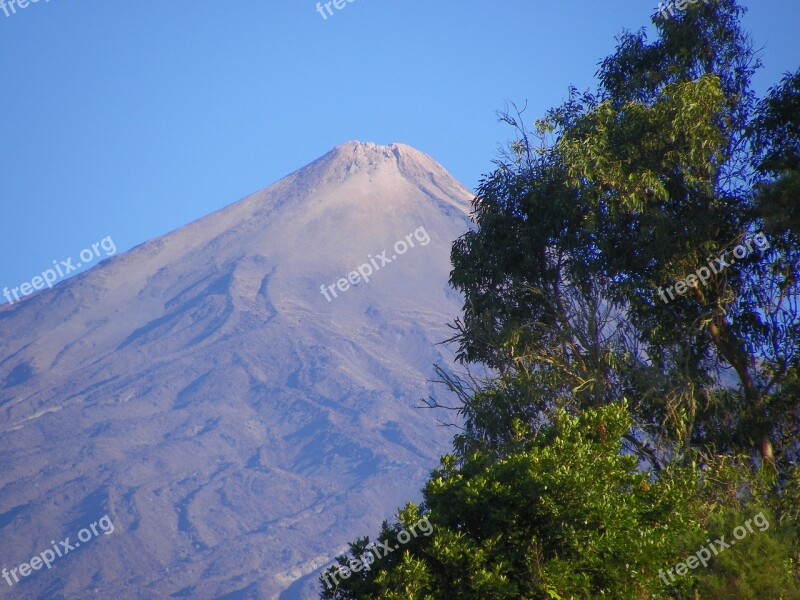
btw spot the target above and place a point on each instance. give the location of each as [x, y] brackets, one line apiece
[233, 403]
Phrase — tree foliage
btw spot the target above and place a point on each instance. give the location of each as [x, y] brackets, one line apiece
[566, 515]
[670, 165]
[625, 425]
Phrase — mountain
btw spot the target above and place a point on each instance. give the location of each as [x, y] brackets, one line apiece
[217, 412]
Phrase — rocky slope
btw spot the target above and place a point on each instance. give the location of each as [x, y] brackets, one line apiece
[237, 425]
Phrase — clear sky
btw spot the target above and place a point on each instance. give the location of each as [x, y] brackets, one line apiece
[130, 119]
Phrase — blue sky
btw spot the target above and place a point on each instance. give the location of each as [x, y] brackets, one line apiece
[130, 119]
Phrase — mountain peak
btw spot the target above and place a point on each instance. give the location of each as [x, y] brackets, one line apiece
[365, 154]
[232, 386]
[376, 167]
[371, 149]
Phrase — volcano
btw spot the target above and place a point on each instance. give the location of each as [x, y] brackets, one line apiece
[238, 397]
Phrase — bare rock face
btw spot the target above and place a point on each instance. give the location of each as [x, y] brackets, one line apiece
[239, 396]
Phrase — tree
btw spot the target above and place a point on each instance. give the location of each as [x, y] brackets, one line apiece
[568, 515]
[658, 178]
[564, 515]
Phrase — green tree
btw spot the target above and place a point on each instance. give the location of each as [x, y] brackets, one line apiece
[567, 515]
[776, 133]
[589, 220]
[563, 515]
[758, 566]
